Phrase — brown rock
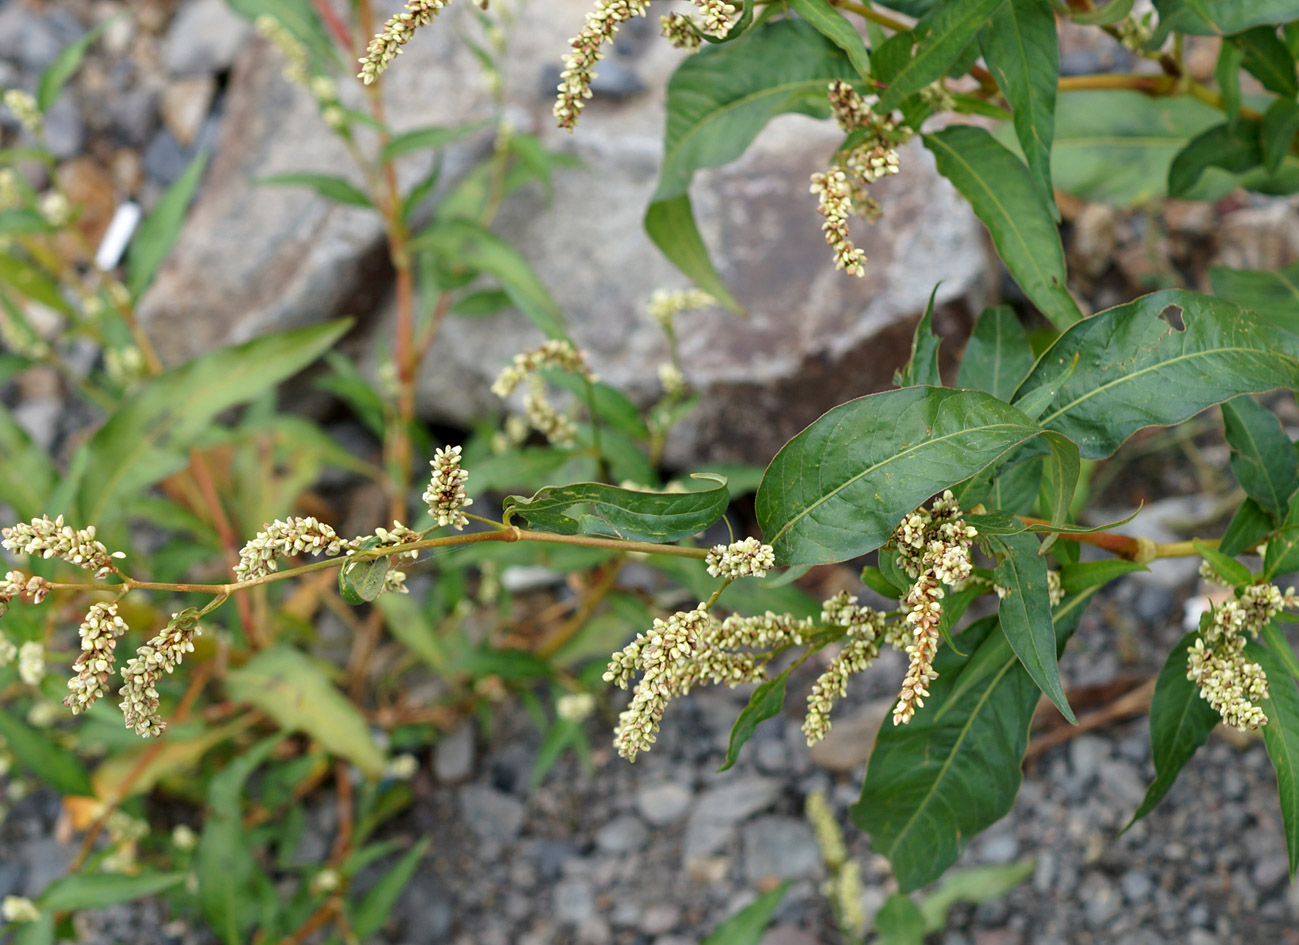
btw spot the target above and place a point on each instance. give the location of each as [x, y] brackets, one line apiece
[185, 104]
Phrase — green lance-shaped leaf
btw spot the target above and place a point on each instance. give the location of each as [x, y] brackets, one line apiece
[1282, 554]
[718, 101]
[900, 922]
[1274, 294]
[1268, 59]
[1220, 17]
[840, 487]
[1281, 736]
[1276, 641]
[158, 231]
[146, 439]
[1111, 12]
[1280, 124]
[23, 221]
[295, 692]
[1180, 722]
[954, 770]
[1228, 568]
[27, 476]
[44, 758]
[765, 703]
[101, 890]
[1020, 47]
[1025, 613]
[912, 60]
[922, 366]
[377, 904]
[428, 139]
[360, 582]
[593, 508]
[224, 863]
[31, 282]
[471, 244]
[1262, 456]
[326, 185]
[1247, 528]
[998, 356]
[748, 926]
[1131, 368]
[1234, 147]
[66, 64]
[1003, 195]
[835, 27]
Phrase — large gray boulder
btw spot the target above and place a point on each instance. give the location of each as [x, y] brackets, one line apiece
[255, 259]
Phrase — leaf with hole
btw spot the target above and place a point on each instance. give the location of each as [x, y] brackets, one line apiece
[1136, 369]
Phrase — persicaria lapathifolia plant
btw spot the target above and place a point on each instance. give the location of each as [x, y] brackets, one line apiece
[970, 490]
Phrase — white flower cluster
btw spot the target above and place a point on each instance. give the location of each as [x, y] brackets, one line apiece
[161, 655]
[99, 633]
[53, 539]
[394, 581]
[555, 353]
[865, 634]
[281, 539]
[602, 25]
[545, 418]
[842, 190]
[746, 558]
[934, 549]
[445, 495]
[24, 108]
[8, 652]
[1230, 682]
[297, 63]
[575, 706]
[31, 663]
[386, 45]
[665, 304]
[17, 584]
[19, 909]
[680, 31]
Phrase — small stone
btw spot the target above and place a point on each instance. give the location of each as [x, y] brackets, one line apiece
[660, 918]
[492, 816]
[203, 39]
[185, 105]
[663, 803]
[787, 935]
[65, 134]
[574, 901]
[166, 159]
[1000, 848]
[1085, 755]
[453, 755]
[780, 847]
[1200, 937]
[737, 800]
[624, 834]
[1137, 886]
[594, 931]
[1122, 781]
[851, 738]
[1270, 871]
[772, 757]
[1100, 901]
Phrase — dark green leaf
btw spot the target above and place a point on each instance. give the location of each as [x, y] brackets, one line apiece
[66, 64]
[483, 302]
[922, 366]
[147, 438]
[378, 903]
[1267, 59]
[101, 890]
[44, 758]
[466, 242]
[293, 690]
[718, 101]
[1282, 554]
[998, 356]
[1227, 74]
[1003, 195]
[1180, 722]
[224, 863]
[1281, 736]
[839, 488]
[1135, 369]
[1247, 528]
[1016, 488]
[874, 579]
[1020, 47]
[925, 53]
[764, 703]
[427, 139]
[31, 282]
[27, 475]
[832, 24]
[893, 573]
[1227, 568]
[326, 185]
[1280, 123]
[748, 925]
[1262, 456]
[158, 231]
[1274, 294]
[622, 513]
[1025, 614]
[1233, 147]
[1221, 17]
[900, 922]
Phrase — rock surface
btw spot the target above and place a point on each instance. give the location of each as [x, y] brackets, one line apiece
[256, 259]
